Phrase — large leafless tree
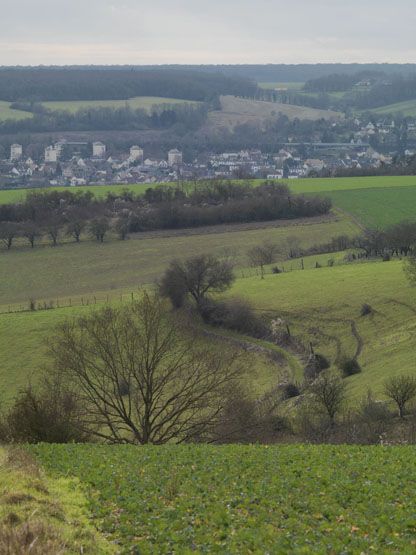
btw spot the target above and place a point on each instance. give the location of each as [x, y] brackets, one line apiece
[142, 377]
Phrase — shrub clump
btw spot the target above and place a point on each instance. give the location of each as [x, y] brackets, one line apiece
[51, 414]
[276, 270]
[349, 366]
[366, 309]
[290, 390]
[316, 364]
[235, 315]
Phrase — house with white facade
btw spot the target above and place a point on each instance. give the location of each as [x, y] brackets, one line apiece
[16, 152]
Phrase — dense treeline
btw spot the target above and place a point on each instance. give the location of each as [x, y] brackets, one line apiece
[218, 205]
[189, 116]
[37, 84]
[287, 73]
[396, 90]
[340, 81]
[382, 89]
[54, 213]
[397, 240]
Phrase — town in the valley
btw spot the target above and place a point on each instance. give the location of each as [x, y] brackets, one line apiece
[67, 163]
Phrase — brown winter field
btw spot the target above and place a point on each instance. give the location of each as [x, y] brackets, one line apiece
[236, 111]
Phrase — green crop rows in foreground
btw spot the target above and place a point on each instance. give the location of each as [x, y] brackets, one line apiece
[247, 499]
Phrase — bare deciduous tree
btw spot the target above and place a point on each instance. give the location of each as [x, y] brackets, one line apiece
[75, 228]
[197, 276]
[293, 244]
[31, 231]
[262, 254]
[53, 228]
[401, 390]
[8, 231]
[143, 379]
[122, 226]
[99, 227]
[328, 391]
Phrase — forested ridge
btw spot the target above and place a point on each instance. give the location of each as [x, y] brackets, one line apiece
[43, 84]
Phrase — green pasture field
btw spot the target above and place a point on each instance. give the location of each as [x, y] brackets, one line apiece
[138, 102]
[24, 339]
[308, 185]
[325, 185]
[407, 108]
[290, 85]
[245, 499]
[378, 208]
[323, 306]
[90, 272]
[7, 113]
[336, 95]
[88, 268]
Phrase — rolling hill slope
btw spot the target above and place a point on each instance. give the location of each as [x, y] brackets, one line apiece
[138, 102]
[236, 111]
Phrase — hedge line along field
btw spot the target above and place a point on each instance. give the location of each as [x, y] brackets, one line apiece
[309, 301]
[307, 185]
[136, 103]
[88, 268]
[246, 499]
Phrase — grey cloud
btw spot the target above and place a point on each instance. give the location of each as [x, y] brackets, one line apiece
[219, 31]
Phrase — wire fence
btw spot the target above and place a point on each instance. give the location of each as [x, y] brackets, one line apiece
[33, 305]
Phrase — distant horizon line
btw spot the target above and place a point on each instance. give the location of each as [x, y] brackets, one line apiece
[240, 64]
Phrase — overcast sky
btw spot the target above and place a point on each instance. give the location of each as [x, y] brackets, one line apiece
[210, 31]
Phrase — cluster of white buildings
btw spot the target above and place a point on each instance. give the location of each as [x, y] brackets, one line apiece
[80, 163]
[53, 154]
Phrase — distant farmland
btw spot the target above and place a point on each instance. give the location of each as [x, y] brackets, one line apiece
[407, 108]
[138, 102]
[291, 86]
[378, 208]
[237, 111]
[7, 113]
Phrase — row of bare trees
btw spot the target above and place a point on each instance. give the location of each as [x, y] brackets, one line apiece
[55, 228]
